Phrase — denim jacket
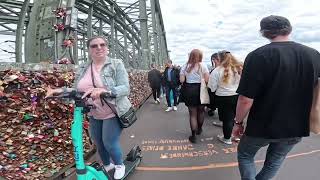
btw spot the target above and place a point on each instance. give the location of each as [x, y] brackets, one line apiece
[114, 77]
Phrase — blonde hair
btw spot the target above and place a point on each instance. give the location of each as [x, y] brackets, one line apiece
[195, 57]
[229, 62]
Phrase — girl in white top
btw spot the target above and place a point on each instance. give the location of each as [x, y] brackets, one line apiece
[190, 76]
[194, 75]
[224, 81]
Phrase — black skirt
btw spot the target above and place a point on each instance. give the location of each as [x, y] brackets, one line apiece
[191, 94]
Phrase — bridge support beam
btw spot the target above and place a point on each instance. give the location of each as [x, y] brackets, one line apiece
[144, 34]
[155, 32]
[19, 32]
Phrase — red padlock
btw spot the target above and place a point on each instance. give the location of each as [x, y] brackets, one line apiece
[60, 12]
[67, 43]
[58, 27]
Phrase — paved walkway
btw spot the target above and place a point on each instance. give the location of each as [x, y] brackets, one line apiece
[167, 154]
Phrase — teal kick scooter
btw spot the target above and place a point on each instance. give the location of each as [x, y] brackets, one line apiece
[94, 171]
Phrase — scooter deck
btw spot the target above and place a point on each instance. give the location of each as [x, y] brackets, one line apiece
[133, 160]
[130, 166]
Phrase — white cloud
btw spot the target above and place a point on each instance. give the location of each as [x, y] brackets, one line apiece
[213, 25]
[7, 48]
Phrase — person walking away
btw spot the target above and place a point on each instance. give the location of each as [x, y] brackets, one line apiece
[212, 106]
[154, 79]
[224, 81]
[102, 74]
[190, 75]
[171, 81]
[276, 88]
[177, 69]
[163, 87]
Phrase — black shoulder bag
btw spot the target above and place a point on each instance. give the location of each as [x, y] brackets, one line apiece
[127, 119]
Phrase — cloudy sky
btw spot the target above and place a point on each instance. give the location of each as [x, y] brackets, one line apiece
[213, 25]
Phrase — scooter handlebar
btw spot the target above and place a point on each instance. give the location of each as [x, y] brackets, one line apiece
[77, 95]
[107, 95]
[67, 95]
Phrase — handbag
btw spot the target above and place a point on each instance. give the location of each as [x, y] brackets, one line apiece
[181, 98]
[128, 118]
[204, 95]
[315, 110]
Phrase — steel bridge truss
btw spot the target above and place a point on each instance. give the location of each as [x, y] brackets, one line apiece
[134, 30]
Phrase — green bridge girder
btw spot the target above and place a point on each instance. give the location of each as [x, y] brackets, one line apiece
[135, 30]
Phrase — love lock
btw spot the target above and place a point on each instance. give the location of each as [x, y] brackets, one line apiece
[59, 27]
[60, 12]
[67, 43]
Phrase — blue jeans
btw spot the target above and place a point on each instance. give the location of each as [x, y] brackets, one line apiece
[106, 136]
[276, 153]
[172, 88]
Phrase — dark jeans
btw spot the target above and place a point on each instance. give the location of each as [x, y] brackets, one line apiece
[276, 153]
[174, 93]
[155, 92]
[106, 136]
[227, 111]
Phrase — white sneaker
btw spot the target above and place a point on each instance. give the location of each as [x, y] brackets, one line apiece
[226, 141]
[175, 108]
[169, 109]
[236, 139]
[217, 123]
[158, 100]
[109, 167]
[120, 171]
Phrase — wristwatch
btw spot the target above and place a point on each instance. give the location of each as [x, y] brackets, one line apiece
[238, 123]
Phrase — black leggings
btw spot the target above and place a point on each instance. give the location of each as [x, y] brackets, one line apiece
[227, 111]
[196, 114]
[156, 92]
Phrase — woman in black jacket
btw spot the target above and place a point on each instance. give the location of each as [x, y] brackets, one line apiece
[154, 79]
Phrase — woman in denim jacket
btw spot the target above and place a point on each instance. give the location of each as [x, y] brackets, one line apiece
[103, 75]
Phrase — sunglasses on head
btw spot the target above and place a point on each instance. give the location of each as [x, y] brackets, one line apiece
[96, 45]
[222, 53]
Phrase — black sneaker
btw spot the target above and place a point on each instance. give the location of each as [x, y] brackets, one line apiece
[192, 139]
[199, 131]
